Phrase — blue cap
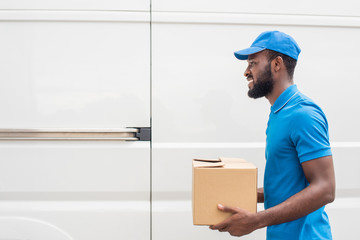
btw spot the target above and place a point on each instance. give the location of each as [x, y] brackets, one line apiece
[273, 40]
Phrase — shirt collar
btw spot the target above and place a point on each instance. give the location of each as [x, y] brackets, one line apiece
[284, 98]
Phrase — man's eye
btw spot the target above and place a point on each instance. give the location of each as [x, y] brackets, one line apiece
[251, 64]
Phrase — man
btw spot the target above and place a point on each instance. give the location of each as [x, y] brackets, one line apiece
[299, 174]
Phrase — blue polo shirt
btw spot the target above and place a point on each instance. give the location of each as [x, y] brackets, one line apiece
[297, 131]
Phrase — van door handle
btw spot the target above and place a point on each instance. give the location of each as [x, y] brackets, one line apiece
[118, 134]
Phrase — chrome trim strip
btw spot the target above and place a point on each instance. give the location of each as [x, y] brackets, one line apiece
[124, 134]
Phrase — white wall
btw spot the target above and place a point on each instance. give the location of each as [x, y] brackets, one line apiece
[201, 108]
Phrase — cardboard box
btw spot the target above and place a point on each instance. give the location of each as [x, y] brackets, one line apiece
[228, 181]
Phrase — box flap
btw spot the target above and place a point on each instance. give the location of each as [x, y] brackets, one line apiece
[207, 159]
[238, 160]
[237, 163]
[209, 162]
[234, 163]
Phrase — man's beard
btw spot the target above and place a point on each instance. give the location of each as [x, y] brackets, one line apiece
[264, 84]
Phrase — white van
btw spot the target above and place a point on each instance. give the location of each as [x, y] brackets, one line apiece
[82, 84]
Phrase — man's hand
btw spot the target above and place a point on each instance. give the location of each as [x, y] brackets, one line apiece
[240, 223]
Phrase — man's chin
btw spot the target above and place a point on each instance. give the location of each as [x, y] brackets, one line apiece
[253, 95]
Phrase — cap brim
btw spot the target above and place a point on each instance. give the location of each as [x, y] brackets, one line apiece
[243, 54]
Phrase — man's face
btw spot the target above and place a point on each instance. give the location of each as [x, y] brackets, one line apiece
[259, 75]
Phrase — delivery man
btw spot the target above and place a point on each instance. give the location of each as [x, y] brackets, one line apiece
[299, 174]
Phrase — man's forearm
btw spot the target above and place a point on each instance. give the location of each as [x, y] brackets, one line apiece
[297, 206]
[304, 202]
[321, 190]
[260, 195]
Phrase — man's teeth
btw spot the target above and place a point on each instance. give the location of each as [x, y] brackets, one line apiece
[250, 81]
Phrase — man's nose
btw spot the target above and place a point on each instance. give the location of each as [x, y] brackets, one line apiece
[247, 72]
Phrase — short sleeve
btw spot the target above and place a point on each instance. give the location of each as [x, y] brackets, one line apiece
[310, 134]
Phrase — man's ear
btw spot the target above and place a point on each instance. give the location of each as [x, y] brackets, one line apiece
[278, 63]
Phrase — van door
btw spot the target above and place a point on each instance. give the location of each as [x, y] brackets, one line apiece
[74, 98]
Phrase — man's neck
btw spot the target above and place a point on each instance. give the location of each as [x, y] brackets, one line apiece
[278, 90]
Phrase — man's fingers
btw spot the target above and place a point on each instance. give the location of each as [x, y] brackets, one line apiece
[227, 209]
[223, 229]
[218, 226]
[223, 226]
